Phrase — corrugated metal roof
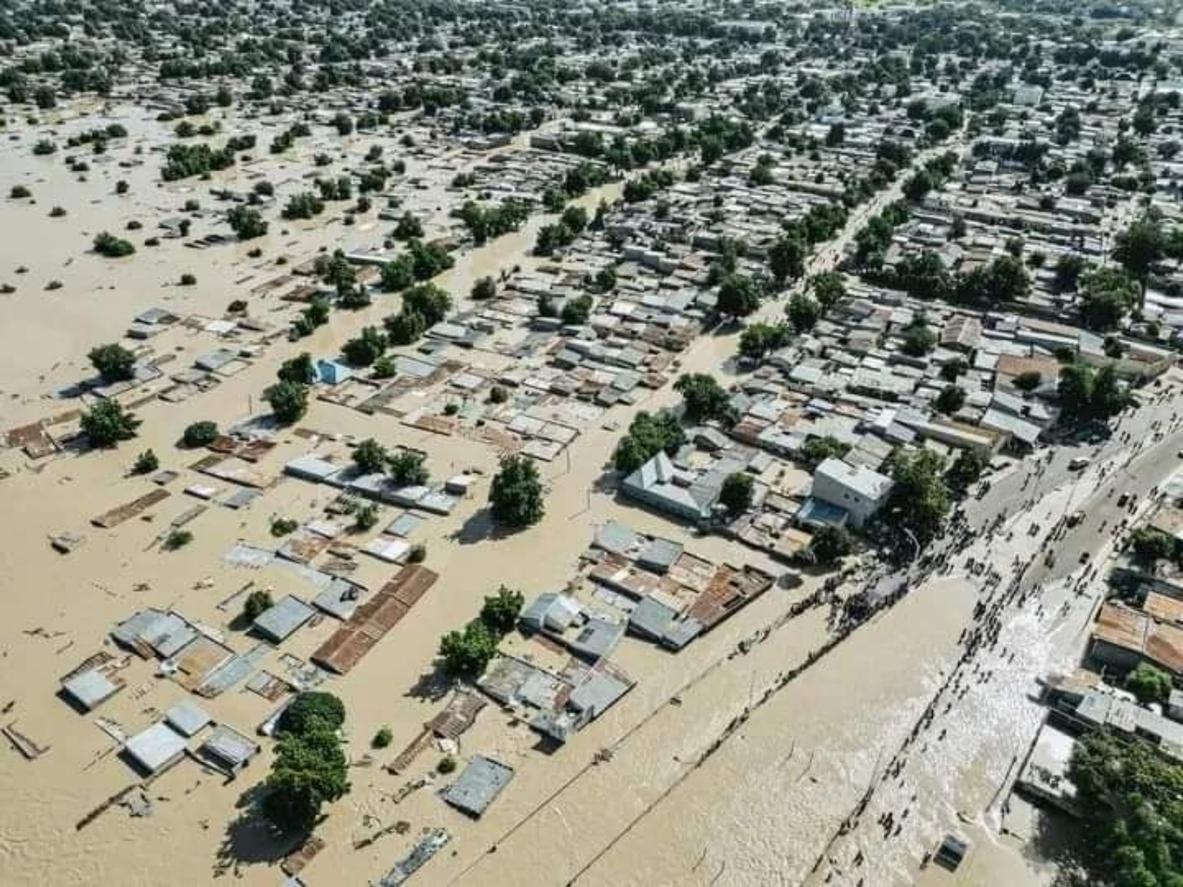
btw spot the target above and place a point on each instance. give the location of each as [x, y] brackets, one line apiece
[478, 786]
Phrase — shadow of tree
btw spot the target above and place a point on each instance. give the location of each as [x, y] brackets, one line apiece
[1060, 840]
[251, 839]
[431, 686]
[480, 527]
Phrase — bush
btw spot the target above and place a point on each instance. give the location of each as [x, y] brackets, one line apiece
[19, 192]
[257, 602]
[366, 517]
[382, 738]
[384, 367]
[446, 765]
[282, 526]
[200, 434]
[106, 244]
[418, 553]
[177, 539]
[484, 288]
[145, 463]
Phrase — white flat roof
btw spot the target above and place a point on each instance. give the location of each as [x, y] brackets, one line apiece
[155, 747]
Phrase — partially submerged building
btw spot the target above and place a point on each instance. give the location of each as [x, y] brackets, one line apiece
[478, 785]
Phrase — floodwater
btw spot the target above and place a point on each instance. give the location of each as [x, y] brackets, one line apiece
[705, 775]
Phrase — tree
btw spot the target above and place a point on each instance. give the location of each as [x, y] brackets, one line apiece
[106, 424]
[1106, 295]
[247, 223]
[786, 258]
[1149, 546]
[919, 499]
[1028, 381]
[918, 186]
[370, 457]
[298, 369]
[200, 434]
[918, 338]
[428, 301]
[114, 362]
[407, 469]
[408, 227]
[1128, 797]
[397, 275]
[257, 602]
[828, 288]
[1003, 280]
[758, 339]
[484, 288]
[500, 612]
[365, 348]
[288, 400]
[576, 310]
[951, 399]
[738, 296]
[703, 398]
[574, 218]
[311, 709]
[830, 544]
[803, 312]
[309, 771]
[467, 653]
[1149, 684]
[1090, 395]
[1139, 246]
[736, 493]
[1068, 269]
[516, 492]
[648, 435]
[966, 469]
[817, 450]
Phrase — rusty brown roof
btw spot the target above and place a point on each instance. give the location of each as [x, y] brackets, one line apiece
[374, 618]
[1121, 626]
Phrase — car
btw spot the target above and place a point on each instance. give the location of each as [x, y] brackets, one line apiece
[1122, 500]
[1078, 463]
[1075, 517]
[1084, 557]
